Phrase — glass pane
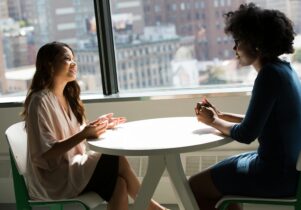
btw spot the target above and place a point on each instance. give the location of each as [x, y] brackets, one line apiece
[26, 25]
[180, 44]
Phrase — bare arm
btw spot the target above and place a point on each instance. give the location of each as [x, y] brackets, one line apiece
[230, 117]
[222, 125]
[92, 130]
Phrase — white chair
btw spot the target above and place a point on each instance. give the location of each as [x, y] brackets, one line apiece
[295, 201]
[17, 140]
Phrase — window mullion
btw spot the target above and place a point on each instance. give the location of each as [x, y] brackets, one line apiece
[106, 46]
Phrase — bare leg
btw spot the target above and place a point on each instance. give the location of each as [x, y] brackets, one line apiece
[133, 184]
[119, 199]
[205, 192]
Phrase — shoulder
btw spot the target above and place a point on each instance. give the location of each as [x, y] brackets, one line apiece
[276, 70]
[40, 99]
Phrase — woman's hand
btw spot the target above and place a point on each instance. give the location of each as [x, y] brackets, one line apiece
[205, 114]
[207, 104]
[95, 128]
[112, 121]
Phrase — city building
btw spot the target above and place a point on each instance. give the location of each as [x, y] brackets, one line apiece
[195, 19]
[3, 9]
[89, 76]
[55, 22]
[133, 7]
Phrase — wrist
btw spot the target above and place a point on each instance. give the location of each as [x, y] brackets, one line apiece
[212, 121]
[82, 134]
[220, 115]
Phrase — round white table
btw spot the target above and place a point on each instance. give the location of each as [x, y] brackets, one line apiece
[162, 140]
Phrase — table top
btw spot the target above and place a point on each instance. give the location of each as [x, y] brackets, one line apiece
[158, 136]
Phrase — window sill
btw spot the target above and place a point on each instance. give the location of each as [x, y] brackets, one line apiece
[17, 101]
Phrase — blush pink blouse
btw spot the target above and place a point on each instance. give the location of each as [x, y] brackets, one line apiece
[64, 176]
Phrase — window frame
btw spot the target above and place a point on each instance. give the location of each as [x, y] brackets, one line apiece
[106, 49]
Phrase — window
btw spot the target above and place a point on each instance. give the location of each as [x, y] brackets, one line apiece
[199, 53]
[140, 45]
[27, 25]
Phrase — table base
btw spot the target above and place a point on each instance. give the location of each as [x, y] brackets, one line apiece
[155, 169]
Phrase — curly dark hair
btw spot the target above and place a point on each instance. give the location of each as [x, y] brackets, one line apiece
[269, 32]
[52, 53]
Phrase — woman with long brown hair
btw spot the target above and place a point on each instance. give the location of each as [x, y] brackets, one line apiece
[59, 164]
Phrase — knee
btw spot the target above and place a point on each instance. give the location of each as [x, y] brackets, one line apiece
[123, 164]
[121, 185]
[123, 160]
[202, 184]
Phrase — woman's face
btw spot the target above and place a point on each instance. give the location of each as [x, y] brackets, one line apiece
[67, 68]
[244, 53]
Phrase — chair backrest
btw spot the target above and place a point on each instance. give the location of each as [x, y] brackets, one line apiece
[17, 140]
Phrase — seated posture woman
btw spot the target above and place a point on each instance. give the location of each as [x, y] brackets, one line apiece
[59, 164]
[273, 115]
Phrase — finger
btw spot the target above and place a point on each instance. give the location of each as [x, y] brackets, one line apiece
[196, 110]
[102, 124]
[106, 116]
[95, 121]
[209, 104]
[121, 120]
[112, 124]
[100, 130]
[109, 115]
[100, 133]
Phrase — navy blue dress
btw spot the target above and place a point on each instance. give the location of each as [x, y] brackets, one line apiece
[274, 117]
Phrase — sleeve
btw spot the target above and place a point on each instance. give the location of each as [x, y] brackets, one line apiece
[41, 133]
[266, 89]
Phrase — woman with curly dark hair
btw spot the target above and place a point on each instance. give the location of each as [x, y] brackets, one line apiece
[273, 115]
[59, 165]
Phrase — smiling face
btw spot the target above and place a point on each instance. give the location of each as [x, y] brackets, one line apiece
[66, 69]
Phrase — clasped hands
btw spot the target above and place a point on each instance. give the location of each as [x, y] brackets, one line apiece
[97, 127]
[206, 112]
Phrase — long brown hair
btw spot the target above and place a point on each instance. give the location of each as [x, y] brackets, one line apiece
[49, 56]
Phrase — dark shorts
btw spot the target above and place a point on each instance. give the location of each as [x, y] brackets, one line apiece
[104, 178]
[247, 175]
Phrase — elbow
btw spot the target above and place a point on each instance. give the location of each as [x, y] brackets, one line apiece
[246, 140]
[243, 135]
